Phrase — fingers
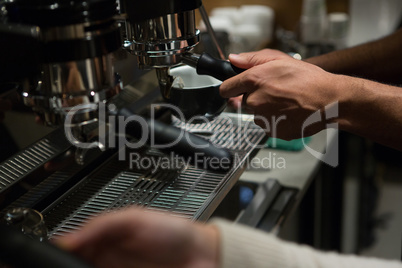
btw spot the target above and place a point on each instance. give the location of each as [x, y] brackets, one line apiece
[235, 102]
[110, 240]
[99, 230]
[237, 85]
[251, 79]
[250, 59]
[124, 225]
[137, 238]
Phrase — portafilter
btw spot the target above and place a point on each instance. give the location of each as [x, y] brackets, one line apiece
[162, 34]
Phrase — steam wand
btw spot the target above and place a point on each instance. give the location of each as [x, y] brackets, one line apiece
[211, 31]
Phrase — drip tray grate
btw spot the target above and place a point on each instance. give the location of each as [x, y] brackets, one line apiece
[185, 191]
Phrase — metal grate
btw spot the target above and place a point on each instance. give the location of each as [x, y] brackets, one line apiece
[21, 164]
[186, 191]
[235, 133]
[30, 159]
[45, 188]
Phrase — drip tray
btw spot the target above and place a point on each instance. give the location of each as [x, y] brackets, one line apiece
[185, 190]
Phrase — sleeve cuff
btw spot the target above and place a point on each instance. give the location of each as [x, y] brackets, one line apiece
[246, 247]
[242, 246]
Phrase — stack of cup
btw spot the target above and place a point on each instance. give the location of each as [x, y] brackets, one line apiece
[250, 27]
[313, 21]
[338, 29]
[260, 16]
[231, 13]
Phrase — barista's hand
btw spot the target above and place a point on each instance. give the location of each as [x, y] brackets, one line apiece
[281, 91]
[235, 102]
[137, 238]
[251, 59]
[5, 105]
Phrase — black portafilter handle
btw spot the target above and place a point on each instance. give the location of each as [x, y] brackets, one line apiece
[194, 149]
[20, 251]
[205, 64]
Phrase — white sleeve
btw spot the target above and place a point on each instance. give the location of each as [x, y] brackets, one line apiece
[244, 247]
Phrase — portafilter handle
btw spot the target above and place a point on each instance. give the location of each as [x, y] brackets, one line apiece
[205, 64]
[194, 149]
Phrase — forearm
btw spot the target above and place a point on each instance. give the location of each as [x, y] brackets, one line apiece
[371, 110]
[380, 60]
[246, 247]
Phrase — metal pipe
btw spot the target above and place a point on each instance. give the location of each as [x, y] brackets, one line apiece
[211, 31]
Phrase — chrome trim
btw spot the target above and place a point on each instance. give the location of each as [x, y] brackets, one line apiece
[169, 27]
[24, 30]
[77, 31]
[211, 31]
[68, 84]
[168, 47]
[158, 41]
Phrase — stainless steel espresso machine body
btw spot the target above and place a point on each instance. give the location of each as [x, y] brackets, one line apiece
[62, 53]
[76, 69]
[161, 35]
[75, 45]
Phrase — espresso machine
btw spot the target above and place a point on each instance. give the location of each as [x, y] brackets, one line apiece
[62, 58]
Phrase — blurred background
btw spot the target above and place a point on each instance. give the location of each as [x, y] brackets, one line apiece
[362, 199]
[370, 175]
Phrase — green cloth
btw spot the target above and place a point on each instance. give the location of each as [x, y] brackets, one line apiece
[293, 145]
